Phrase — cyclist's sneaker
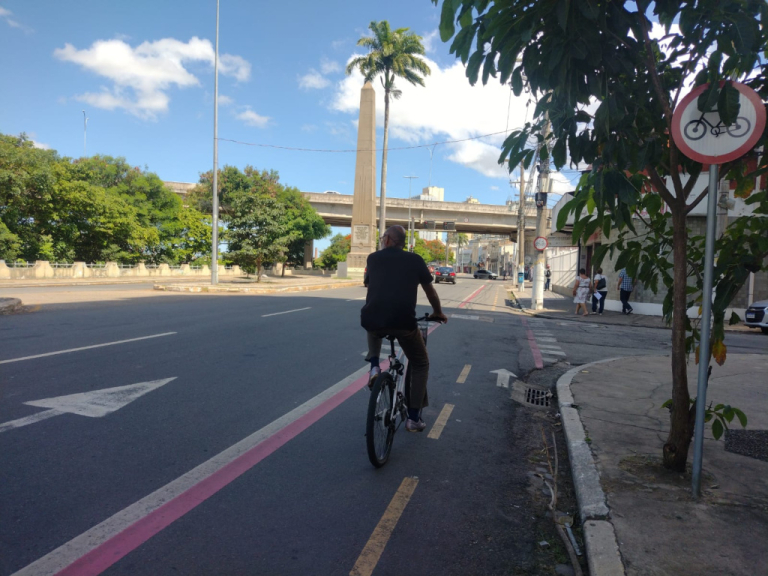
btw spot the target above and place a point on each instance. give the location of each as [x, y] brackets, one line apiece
[415, 425]
[374, 373]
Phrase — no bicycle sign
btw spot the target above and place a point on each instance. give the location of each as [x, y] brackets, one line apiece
[704, 137]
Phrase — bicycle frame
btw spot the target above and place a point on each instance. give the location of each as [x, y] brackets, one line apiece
[399, 370]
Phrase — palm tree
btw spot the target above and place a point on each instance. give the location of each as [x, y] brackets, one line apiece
[392, 54]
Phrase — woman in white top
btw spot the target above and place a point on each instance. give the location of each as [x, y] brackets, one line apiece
[581, 291]
[599, 285]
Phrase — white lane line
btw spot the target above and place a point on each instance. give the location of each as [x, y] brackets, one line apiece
[542, 339]
[549, 347]
[60, 558]
[85, 348]
[286, 312]
[552, 353]
[29, 420]
[353, 299]
[541, 332]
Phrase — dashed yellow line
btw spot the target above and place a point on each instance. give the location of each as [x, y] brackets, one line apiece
[370, 555]
[464, 373]
[441, 421]
[495, 299]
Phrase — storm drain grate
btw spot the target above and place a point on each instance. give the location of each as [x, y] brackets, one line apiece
[537, 397]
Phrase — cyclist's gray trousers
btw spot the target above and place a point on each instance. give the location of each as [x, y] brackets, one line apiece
[416, 351]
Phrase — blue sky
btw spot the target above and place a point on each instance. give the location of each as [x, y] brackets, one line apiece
[143, 72]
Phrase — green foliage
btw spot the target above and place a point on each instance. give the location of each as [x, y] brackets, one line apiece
[336, 252]
[721, 415]
[580, 56]
[256, 231]
[302, 223]
[391, 54]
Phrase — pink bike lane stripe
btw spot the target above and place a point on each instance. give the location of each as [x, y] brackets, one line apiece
[537, 360]
[108, 553]
[472, 296]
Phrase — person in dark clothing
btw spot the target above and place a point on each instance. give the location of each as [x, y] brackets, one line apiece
[394, 277]
[548, 275]
[625, 288]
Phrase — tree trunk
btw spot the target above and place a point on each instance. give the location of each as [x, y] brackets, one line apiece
[258, 271]
[282, 273]
[681, 423]
[383, 195]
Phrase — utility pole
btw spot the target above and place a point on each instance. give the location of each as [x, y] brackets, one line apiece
[521, 228]
[411, 230]
[215, 184]
[545, 186]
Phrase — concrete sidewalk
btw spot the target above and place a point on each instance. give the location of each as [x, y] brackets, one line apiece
[659, 528]
[559, 307]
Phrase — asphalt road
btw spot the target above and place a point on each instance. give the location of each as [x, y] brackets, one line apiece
[252, 459]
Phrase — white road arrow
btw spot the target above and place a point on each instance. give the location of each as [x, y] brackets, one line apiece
[93, 404]
[502, 377]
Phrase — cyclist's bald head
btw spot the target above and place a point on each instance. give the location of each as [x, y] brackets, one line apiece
[396, 235]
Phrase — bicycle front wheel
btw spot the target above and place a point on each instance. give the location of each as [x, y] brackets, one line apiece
[695, 130]
[379, 428]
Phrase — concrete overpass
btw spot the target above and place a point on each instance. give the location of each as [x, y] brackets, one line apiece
[336, 210]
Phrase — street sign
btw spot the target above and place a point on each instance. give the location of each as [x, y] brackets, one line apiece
[560, 241]
[540, 243]
[703, 137]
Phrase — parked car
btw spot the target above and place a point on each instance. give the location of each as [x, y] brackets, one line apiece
[481, 273]
[445, 274]
[757, 316]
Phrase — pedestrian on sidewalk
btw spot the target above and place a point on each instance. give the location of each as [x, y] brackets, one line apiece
[581, 290]
[548, 275]
[599, 292]
[625, 288]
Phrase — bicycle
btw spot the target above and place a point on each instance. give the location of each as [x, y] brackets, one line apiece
[387, 405]
[696, 129]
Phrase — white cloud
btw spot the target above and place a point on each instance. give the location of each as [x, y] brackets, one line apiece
[429, 39]
[251, 118]
[6, 14]
[494, 187]
[447, 108]
[142, 76]
[329, 66]
[313, 80]
[225, 100]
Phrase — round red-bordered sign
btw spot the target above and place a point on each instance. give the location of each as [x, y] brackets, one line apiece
[703, 137]
[540, 243]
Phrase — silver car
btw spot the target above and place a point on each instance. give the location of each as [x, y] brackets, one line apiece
[485, 274]
[757, 316]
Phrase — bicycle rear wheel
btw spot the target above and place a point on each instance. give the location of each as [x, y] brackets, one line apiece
[379, 427]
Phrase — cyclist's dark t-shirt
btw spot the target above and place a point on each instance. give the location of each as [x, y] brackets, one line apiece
[394, 276]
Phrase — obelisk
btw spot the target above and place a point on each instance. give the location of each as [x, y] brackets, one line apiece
[364, 200]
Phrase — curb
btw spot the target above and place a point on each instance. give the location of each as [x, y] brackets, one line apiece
[566, 319]
[259, 290]
[603, 555]
[8, 305]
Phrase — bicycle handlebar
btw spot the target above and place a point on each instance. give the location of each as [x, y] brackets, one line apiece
[426, 318]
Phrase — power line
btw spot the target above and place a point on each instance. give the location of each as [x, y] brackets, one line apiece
[295, 149]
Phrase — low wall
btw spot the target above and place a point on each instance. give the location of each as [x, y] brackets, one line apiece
[43, 269]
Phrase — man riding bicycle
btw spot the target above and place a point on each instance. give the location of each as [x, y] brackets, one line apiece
[394, 276]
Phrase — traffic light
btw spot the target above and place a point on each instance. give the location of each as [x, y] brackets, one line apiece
[430, 224]
[449, 226]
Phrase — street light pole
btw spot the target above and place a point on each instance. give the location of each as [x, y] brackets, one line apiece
[545, 185]
[410, 220]
[215, 183]
[85, 131]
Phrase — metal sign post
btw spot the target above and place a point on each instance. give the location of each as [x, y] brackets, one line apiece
[702, 136]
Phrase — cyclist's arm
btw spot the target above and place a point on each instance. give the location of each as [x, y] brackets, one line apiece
[434, 300]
